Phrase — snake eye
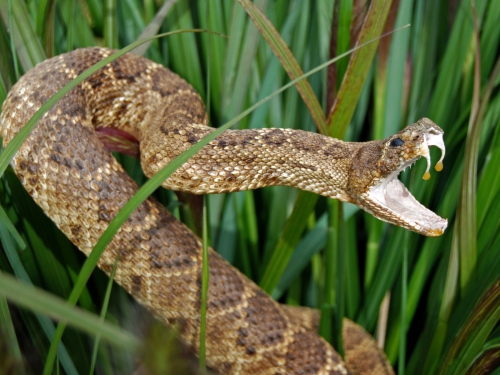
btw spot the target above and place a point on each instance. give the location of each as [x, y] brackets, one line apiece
[396, 142]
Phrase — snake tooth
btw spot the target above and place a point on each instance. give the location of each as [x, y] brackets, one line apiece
[78, 183]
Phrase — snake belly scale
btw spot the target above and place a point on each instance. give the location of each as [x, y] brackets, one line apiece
[81, 187]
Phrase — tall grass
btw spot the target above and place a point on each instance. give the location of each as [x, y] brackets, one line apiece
[443, 293]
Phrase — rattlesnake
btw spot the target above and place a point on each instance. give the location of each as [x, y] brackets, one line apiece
[81, 187]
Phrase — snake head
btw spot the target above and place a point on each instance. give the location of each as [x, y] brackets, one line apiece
[374, 177]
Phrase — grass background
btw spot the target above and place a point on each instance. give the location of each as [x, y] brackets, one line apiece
[435, 303]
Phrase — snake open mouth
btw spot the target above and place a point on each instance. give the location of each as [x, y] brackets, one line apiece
[400, 205]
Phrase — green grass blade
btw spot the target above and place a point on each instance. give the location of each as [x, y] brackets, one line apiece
[449, 76]
[153, 27]
[250, 234]
[280, 202]
[9, 339]
[467, 214]
[12, 43]
[36, 300]
[404, 288]
[353, 291]
[397, 64]
[288, 240]
[28, 47]
[110, 28]
[3, 86]
[288, 62]
[103, 314]
[333, 294]
[466, 217]
[344, 19]
[46, 325]
[205, 271]
[240, 54]
[47, 31]
[270, 81]
[225, 243]
[486, 359]
[10, 227]
[475, 331]
[489, 183]
[382, 280]
[185, 58]
[243, 251]
[341, 113]
[235, 29]
[490, 35]
[217, 48]
[311, 244]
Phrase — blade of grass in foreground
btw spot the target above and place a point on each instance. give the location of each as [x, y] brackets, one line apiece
[35, 299]
[43, 321]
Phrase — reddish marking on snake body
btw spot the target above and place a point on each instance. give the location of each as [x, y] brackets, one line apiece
[117, 140]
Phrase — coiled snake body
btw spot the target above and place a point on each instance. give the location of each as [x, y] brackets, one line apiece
[81, 187]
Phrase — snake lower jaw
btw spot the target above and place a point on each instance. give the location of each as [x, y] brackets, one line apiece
[392, 202]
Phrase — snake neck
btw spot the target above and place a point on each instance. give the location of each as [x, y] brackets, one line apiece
[249, 159]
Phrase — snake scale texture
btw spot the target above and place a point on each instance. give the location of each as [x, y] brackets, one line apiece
[67, 170]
